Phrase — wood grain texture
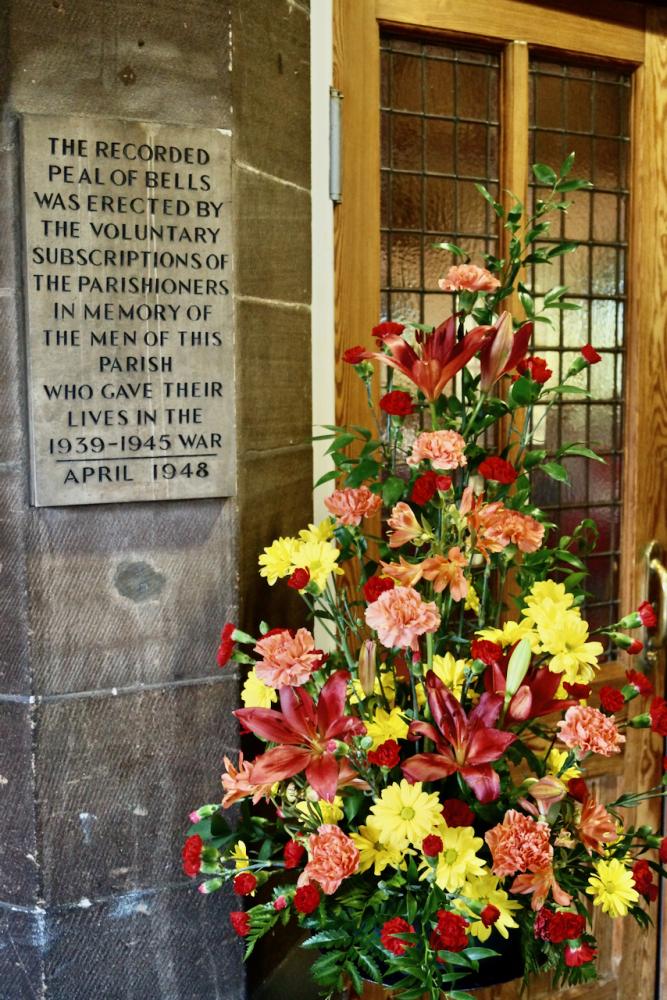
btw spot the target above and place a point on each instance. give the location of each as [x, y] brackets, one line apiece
[511, 20]
[357, 218]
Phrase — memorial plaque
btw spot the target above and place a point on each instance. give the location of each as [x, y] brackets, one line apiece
[129, 310]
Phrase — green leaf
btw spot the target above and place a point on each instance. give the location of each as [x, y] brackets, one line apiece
[554, 294]
[528, 304]
[451, 248]
[544, 174]
[326, 937]
[562, 248]
[476, 954]
[460, 995]
[555, 471]
[341, 442]
[581, 450]
[574, 185]
[566, 165]
[523, 392]
[370, 967]
[532, 458]
[575, 390]
[497, 207]
[368, 469]
[353, 973]
[327, 477]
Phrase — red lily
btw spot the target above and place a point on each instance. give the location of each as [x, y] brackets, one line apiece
[437, 358]
[304, 733]
[502, 350]
[535, 697]
[467, 744]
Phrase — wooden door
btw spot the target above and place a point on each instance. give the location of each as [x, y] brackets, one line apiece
[438, 93]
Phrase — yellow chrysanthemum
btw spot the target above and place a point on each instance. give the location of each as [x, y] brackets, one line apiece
[613, 887]
[555, 762]
[405, 814]
[546, 596]
[564, 635]
[374, 854]
[486, 890]
[386, 726]
[277, 560]
[451, 672]
[240, 856]
[256, 694]
[319, 558]
[385, 684]
[472, 599]
[321, 532]
[458, 861]
[510, 633]
[330, 812]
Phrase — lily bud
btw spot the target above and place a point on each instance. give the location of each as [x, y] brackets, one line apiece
[367, 666]
[547, 789]
[517, 668]
[496, 355]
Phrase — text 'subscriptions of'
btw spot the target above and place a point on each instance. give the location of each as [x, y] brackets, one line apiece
[129, 310]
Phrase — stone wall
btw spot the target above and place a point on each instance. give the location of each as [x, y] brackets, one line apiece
[113, 715]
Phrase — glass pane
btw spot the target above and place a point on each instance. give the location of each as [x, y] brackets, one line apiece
[586, 110]
[439, 133]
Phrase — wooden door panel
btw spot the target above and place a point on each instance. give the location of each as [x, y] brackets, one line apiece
[627, 39]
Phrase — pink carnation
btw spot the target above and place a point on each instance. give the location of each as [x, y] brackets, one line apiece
[519, 844]
[287, 660]
[468, 278]
[590, 731]
[443, 449]
[497, 527]
[351, 505]
[333, 856]
[399, 617]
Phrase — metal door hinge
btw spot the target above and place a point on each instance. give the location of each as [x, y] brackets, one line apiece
[335, 138]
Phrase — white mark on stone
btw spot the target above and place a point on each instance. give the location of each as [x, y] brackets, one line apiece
[114, 691]
[87, 820]
[224, 131]
[3, 780]
[139, 811]
[129, 904]
[84, 903]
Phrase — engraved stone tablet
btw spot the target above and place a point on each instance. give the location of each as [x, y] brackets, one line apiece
[129, 310]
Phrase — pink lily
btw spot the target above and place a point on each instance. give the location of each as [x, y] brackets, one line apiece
[307, 735]
[435, 359]
[502, 350]
[467, 744]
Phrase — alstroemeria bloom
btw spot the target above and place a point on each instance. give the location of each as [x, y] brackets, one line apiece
[596, 827]
[436, 357]
[304, 733]
[502, 350]
[404, 526]
[467, 744]
[447, 571]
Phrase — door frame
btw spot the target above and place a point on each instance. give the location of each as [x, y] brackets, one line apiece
[634, 38]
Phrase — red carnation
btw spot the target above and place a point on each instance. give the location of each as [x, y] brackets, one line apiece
[577, 691]
[432, 845]
[386, 755]
[489, 915]
[191, 855]
[542, 924]
[240, 921]
[396, 945]
[635, 647]
[658, 712]
[306, 899]
[611, 699]
[425, 487]
[299, 579]
[565, 927]
[577, 789]
[388, 329]
[579, 954]
[647, 614]
[486, 651]
[376, 586]
[245, 884]
[293, 853]
[639, 681]
[280, 903]
[397, 403]
[662, 851]
[498, 470]
[591, 354]
[643, 878]
[451, 931]
[457, 813]
[226, 647]
[535, 368]
[355, 355]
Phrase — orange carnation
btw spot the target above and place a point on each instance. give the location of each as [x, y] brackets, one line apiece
[519, 844]
[349, 506]
[590, 731]
[333, 856]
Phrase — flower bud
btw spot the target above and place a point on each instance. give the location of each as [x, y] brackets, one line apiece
[366, 742]
[517, 668]
[211, 885]
[367, 666]
[642, 721]
[547, 789]
[620, 639]
[203, 812]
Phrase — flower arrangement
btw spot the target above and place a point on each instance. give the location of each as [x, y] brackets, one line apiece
[420, 798]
